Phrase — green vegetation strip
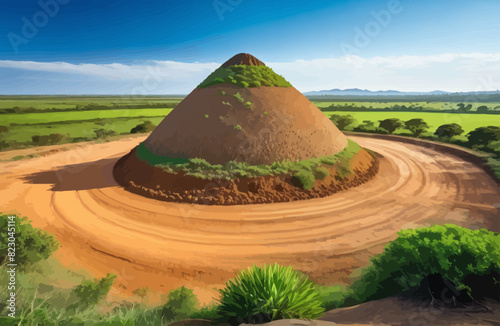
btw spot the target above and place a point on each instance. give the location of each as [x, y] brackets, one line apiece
[245, 76]
[68, 117]
[466, 261]
[200, 168]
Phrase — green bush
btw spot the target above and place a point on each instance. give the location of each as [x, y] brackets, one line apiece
[271, 292]
[104, 133]
[147, 126]
[181, 304]
[454, 252]
[90, 292]
[484, 135]
[321, 173]
[333, 297]
[31, 244]
[303, 179]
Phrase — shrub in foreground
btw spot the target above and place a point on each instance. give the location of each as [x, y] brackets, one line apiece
[31, 244]
[456, 254]
[90, 292]
[181, 304]
[269, 292]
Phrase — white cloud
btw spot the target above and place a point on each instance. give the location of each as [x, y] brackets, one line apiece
[449, 72]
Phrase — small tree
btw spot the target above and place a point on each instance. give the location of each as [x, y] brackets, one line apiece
[482, 109]
[464, 108]
[342, 121]
[484, 135]
[391, 124]
[449, 130]
[416, 126]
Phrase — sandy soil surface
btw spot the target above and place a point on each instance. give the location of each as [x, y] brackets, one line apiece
[163, 245]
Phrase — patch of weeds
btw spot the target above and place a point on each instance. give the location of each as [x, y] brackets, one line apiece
[239, 97]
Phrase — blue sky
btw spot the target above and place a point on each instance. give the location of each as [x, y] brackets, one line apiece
[111, 46]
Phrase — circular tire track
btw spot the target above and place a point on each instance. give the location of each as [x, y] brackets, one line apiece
[162, 244]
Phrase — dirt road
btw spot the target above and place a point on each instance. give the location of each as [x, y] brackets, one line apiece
[103, 228]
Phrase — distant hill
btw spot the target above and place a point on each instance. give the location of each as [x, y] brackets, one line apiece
[365, 92]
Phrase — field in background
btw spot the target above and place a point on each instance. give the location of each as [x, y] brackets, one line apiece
[77, 118]
[384, 104]
[62, 102]
[468, 122]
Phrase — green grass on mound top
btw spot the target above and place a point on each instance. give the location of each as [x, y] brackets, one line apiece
[200, 168]
[245, 76]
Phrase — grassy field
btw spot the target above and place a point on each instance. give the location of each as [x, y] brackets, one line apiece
[467, 121]
[23, 133]
[120, 114]
[55, 117]
[62, 102]
[380, 105]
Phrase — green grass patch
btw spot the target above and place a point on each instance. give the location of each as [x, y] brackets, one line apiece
[267, 293]
[200, 168]
[77, 116]
[245, 76]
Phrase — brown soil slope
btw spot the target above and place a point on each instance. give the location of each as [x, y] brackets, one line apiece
[138, 176]
[217, 124]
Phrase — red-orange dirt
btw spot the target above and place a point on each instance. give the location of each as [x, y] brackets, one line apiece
[141, 178]
[163, 245]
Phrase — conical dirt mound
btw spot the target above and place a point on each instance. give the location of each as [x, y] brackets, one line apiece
[245, 135]
[243, 59]
[258, 125]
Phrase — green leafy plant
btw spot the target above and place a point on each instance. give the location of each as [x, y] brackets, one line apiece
[416, 126]
[484, 135]
[181, 304]
[266, 293]
[391, 125]
[104, 133]
[146, 126]
[90, 292]
[451, 251]
[31, 244]
[447, 131]
[303, 179]
[321, 173]
[342, 121]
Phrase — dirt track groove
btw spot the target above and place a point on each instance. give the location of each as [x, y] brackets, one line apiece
[163, 245]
